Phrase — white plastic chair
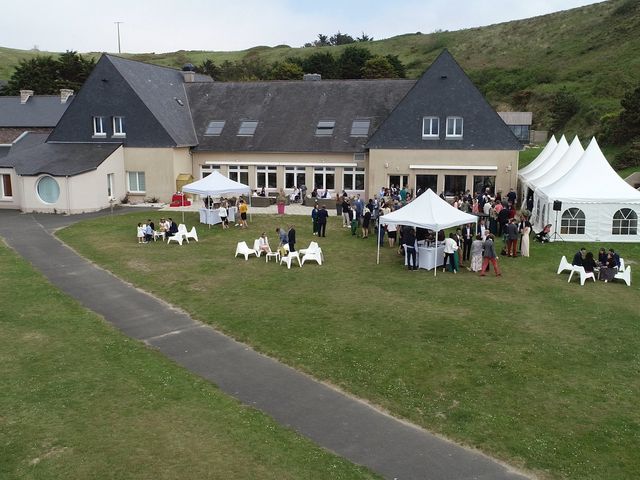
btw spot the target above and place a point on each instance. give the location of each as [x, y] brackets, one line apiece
[583, 275]
[243, 249]
[564, 265]
[312, 246]
[289, 258]
[621, 267]
[178, 237]
[314, 254]
[191, 234]
[256, 247]
[625, 275]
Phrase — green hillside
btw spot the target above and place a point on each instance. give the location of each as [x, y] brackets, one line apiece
[591, 51]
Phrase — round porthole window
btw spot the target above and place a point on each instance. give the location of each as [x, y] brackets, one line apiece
[48, 190]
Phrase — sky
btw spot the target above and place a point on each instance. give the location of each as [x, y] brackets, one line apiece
[170, 25]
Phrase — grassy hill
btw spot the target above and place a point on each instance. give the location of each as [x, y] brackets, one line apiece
[519, 65]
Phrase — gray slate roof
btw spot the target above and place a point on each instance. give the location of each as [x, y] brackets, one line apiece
[289, 111]
[160, 88]
[25, 141]
[38, 111]
[35, 157]
[444, 90]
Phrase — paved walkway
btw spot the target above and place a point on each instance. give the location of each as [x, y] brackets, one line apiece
[336, 421]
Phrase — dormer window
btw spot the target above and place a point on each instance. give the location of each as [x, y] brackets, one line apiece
[325, 128]
[431, 127]
[215, 128]
[99, 127]
[118, 127]
[247, 128]
[454, 127]
[360, 128]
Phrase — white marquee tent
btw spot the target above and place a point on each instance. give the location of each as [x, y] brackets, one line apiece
[427, 211]
[547, 163]
[215, 185]
[597, 204]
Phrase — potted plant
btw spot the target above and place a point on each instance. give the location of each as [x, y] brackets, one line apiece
[280, 201]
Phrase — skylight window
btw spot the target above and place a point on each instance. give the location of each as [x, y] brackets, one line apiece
[215, 128]
[325, 128]
[247, 128]
[360, 128]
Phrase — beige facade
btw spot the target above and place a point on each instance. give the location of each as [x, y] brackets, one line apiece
[161, 167]
[406, 165]
[330, 169]
[9, 200]
[86, 192]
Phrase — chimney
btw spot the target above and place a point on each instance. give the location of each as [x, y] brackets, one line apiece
[24, 95]
[65, 93]
[312, 77]
[189, 77]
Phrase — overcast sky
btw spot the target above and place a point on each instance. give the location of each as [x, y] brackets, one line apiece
[168, 25]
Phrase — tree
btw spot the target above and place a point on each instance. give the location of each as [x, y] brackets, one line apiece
[628, 124]
[46, 75]
[364, 38]
[208, 67]
[322, 41]
[378, 67]
[321, 62]
[285, 71]
[352, 60]
[341, 39]
[564, 105]
[398, 67]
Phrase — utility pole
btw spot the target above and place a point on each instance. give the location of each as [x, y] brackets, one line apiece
[118, 26]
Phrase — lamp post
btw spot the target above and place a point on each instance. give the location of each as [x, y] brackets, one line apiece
[118, 27]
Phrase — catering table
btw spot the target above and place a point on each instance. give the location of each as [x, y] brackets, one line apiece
[426, 258]
[209, 217]
[231, 214]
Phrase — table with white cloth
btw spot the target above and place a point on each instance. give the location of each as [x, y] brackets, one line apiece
[428, 257]
[231, 214]
[209, 217]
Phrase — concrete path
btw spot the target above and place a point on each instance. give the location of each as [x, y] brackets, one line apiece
[337, 422]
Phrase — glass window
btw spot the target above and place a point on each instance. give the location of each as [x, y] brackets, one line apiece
[481, 183]
[136, 182]
[48, 190]
[239, 173]
[247, 128]
[118, 127]
[573, 222]
[294, 177]
[324, 178]
[454, 127]
[360, 128]
[625, 222]
[205, 170]
[325, 128]
[266, 177]
[215, 128]
[99, 127]
[423, 182]
[110, 183]
[398, 181]
[430, 127]
[7, 191]
[353, 178]
[454, 184]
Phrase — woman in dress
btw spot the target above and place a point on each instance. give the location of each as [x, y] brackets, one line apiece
[476, 254]
[609, 270]
[524, 246]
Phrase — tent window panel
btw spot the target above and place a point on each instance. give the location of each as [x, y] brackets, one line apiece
[573, 222]
[625, 222]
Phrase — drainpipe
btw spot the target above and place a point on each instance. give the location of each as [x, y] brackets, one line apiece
[68, 197]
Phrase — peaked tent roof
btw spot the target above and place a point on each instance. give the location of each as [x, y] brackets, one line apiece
[563, 165]
[216, 184]
[549, 162]
[428, 211]
[546, 151]
[592, 180]
[444, 90]
[162, 90]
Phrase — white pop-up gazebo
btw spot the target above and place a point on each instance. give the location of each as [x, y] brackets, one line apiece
[215, 185]
[426, 211]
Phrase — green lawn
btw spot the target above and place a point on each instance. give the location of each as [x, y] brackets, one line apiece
[526, 367]
[79, 400]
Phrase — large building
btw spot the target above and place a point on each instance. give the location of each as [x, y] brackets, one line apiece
[134, 129]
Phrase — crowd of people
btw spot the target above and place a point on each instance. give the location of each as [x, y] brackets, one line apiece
[147, 230]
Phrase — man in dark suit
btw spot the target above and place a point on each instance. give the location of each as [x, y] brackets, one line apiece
[468, 233]
[579, 257]
[292, 238]
[322, 221]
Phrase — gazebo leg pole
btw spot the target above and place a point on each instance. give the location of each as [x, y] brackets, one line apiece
[435, 256]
